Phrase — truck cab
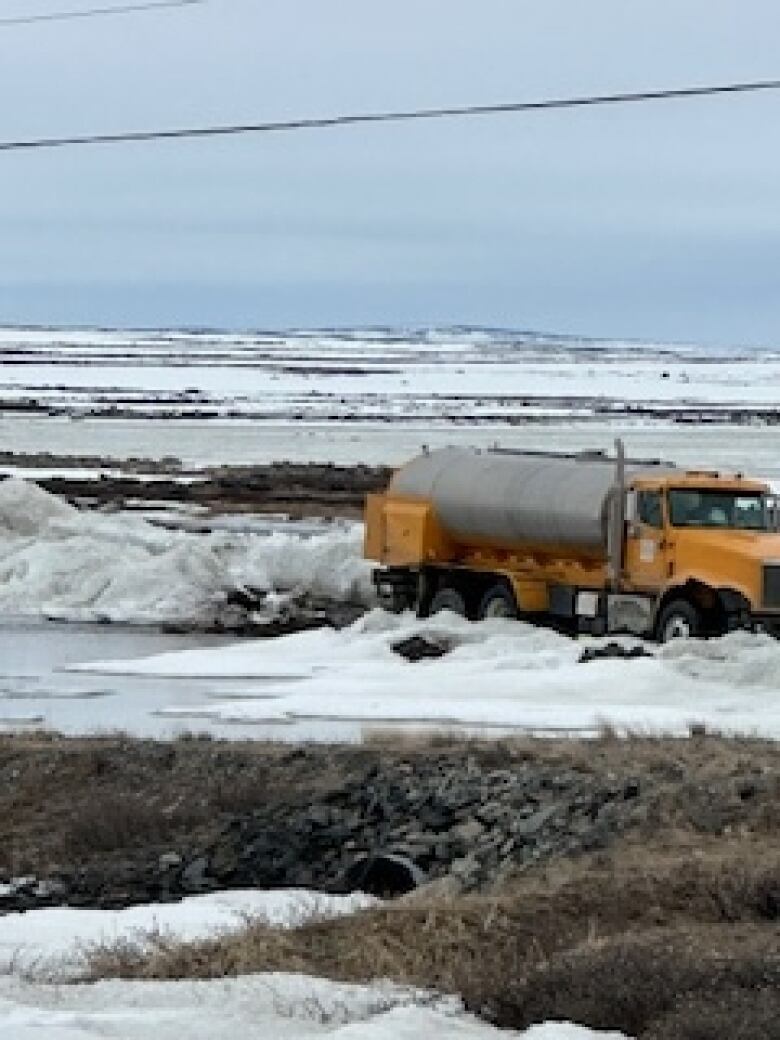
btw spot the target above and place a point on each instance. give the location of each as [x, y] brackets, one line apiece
[705, 547]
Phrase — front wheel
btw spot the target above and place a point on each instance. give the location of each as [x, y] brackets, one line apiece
[679, 620]
[498, 602]
[448, 599]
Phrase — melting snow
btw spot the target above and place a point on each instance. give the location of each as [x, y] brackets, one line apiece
[57, 936]
[282, 1006]
[499, 673]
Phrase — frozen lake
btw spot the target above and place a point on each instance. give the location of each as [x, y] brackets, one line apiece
[36, 692]
[755, 450]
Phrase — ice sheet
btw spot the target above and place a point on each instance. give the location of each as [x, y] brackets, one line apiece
[57, 561]
[751, 449]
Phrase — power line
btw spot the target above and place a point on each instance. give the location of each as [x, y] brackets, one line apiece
[96, 12]
[328, 122]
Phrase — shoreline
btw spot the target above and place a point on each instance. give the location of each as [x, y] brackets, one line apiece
[297, 490]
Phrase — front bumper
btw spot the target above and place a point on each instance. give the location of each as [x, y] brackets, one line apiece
[764, 621]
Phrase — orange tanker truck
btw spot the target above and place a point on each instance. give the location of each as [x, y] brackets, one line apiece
[584, 542]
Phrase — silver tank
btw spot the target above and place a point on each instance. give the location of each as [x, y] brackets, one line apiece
[514, 497]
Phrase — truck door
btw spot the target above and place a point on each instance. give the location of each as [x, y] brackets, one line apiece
[646, 543]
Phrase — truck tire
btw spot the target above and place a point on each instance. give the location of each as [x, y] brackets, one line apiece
[447, 599]
[678, 620]
[498, 602]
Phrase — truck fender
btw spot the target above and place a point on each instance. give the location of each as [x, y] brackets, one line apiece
[721, 608]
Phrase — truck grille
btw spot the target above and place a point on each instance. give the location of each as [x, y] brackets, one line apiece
[772, 585]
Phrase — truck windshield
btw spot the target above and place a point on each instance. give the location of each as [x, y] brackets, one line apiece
[704, 507]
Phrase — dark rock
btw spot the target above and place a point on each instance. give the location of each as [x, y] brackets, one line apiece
[604, 651]
[49, 890]
[468, 832]
[491, 813]
[467, 870]
[223, 861]
[533, 824]
[193, 877]
[390, 822]
[319, 816]
[417, 648]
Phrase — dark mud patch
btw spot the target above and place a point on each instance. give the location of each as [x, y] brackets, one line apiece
[296, 490]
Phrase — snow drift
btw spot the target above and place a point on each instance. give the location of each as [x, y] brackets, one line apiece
[498, 674]
[52, 941]
[60, 562]
[279, 1005]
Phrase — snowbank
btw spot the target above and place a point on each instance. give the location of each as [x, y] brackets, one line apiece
[57, 936]
[499, 673]
[57, 561]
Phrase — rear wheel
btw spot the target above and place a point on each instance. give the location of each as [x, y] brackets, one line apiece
[679, 620]
[448, 599]
[498, 602]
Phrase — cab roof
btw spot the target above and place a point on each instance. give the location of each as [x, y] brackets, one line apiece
[693, 478]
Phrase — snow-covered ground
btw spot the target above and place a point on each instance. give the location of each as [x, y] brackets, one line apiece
[365, 395]
[53, 940]
[277, 1006]
[373, 396]
[402, 372]
[265, 1007]
[377, 396]
[500, 674]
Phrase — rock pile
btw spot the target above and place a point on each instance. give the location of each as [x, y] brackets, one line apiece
[118, 821]
[474, 824]
[386, 830]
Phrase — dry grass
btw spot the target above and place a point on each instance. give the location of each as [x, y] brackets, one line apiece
[66, 801]
[655, 982]
[612, 947]
[111, 821]
[644, 751]
[731, 1013]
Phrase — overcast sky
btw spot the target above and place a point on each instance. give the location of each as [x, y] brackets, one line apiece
[660, 221]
